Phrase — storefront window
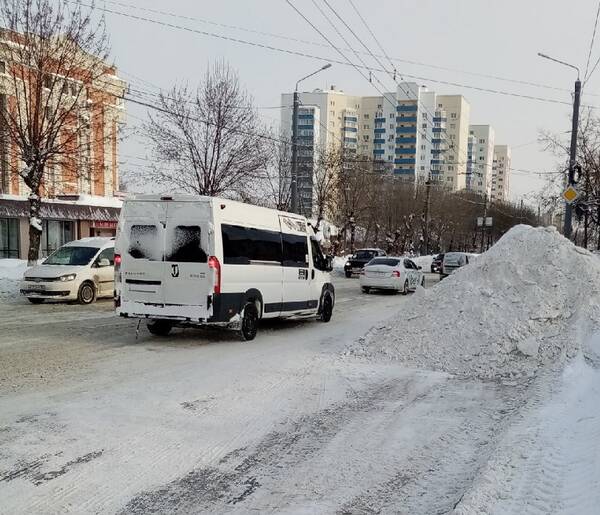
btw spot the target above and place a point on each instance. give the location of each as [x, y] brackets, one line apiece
[55, 233]
[9, 238]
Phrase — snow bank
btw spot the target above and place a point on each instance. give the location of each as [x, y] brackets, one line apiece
[524, 304]
[424, 262]
[11, 272]
[338, 264]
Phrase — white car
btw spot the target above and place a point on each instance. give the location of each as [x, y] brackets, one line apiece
[81, 270]
[391, 273]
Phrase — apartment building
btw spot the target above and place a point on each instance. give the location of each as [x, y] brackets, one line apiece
[457, 111]
[80, 191]
[480, 157]
[500, 187]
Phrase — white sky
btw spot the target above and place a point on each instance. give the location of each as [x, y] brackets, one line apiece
[499, 38]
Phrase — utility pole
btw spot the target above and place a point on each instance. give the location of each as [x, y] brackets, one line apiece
[485, 200]
[568, 228]
[568, 222]
[294, 179]
[427, 216]
[294, 186]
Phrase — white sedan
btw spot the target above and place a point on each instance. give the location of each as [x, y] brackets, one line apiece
[391, 273]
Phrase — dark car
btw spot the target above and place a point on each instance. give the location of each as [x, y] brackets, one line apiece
[359, 259]
[436, 264]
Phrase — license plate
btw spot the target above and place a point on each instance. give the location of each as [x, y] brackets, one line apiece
[37, 287]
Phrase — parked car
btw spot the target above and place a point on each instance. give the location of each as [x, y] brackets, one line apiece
[436, 264]
[359, 259]
[391, 273]
[187, 260]
[453, 261]
[81, 270]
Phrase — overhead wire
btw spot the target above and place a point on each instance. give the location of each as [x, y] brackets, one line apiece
[592, 43]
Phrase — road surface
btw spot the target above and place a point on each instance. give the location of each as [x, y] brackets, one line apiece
[94, 421]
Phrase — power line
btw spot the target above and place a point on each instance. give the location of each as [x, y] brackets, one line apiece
[331, 60]
[592, 43]
[317, 44]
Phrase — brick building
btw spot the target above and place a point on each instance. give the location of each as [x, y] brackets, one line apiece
[81, 192]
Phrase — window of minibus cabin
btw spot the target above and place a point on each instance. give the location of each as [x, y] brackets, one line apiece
[319, 260]
[295, 250]
[185, 245]
[247, 245]
[143, 242]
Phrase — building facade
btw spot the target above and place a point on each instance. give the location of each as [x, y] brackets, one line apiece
[500, 188]
[80, 192]
[480, 158]
[457, 111]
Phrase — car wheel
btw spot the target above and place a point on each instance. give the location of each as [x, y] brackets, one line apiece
[249, 325]
[405, 290]
[366, 289]
[86, 293]
[326, 307]
[159, 327]
[348, 275]
[35, 301]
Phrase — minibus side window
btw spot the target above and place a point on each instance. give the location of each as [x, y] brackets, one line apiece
[185, 245]
[295, 250]
[243, 245]
[319, 261]
[143, 242]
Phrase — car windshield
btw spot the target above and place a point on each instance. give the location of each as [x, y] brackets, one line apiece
[72, 256]
[364, 254]
[384, 261]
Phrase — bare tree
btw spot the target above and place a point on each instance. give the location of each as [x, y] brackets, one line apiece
[54, 53]
[208, 140]
[329, 163]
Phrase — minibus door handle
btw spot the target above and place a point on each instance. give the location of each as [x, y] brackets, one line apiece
[312, 275]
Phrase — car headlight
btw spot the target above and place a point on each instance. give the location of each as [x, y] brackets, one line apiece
[68, 277]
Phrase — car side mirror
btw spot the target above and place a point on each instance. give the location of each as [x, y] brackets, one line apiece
[420, 267]
[103, 262]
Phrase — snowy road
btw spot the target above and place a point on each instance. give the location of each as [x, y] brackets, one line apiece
[92, 421]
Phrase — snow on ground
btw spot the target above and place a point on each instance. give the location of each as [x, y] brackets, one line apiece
[11, 272]
[524, 304]
[424, 262]
[549, 459]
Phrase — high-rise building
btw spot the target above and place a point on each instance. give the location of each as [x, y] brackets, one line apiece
[457, 111]
[480, 159]
[412, 132]
[501, 173]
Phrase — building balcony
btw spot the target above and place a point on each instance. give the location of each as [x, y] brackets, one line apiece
[411, 108]
[406, 130]
[379, 120]
[379, 141]
[406, 151]
[438, 161]
[404, 161]
[406, 141]
[404, 171]
[306, 116]
[379, 130]
[438, 140]
[350, 118]
[406, 119]
[439, 119]
[379, 151]
[438, 129]
[350, 129]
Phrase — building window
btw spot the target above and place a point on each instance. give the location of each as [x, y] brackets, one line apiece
[366, 116]
[332, 113]
[391, 125]
[452, 115]
[453, 126]
[9, 238]
[422, 147]
[365, 126]
[365, 138]
[55, 233]
[424, 126]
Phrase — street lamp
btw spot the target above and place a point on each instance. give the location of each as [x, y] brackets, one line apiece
[568, 223]
[294, 186]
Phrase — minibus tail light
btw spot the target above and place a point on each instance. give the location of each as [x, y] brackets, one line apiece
[213, 263]
[117, 261]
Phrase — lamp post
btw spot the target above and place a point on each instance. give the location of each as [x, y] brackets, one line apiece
[294, 185]
[568, 222]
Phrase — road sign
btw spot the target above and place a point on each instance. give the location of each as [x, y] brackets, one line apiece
[570, 194]
[489, 221]
[480, 221]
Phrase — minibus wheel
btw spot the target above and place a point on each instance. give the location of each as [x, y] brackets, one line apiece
[159, 327]
[249, 325]
[326, 307]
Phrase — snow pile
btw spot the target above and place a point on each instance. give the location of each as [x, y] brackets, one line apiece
[338, 264]
[526, 303]
[11, 272]
[424, 262]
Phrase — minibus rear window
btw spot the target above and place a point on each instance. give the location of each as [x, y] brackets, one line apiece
[185, 245]
[143, 242]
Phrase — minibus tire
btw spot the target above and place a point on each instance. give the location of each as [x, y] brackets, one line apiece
[86, 293]
[326, 307]
[159, 327]
[249, 323]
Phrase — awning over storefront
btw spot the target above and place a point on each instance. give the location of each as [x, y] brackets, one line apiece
[53, 210]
